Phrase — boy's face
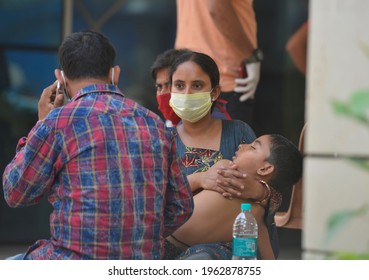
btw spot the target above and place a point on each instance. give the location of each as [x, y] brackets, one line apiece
[251, 157]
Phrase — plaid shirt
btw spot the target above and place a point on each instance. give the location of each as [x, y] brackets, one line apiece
[111, 173]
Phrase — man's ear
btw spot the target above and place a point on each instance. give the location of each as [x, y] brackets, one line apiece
[59, 77]
[114, 74]
[266, 169]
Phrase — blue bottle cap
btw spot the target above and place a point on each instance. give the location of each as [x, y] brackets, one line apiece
[245, 206]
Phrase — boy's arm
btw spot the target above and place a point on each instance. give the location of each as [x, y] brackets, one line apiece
[264, 246]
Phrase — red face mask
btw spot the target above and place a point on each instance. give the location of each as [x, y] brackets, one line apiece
[167, 111]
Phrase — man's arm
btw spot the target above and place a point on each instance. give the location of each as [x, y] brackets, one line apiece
[227, 22]
[297, 48]
[178, 196]
[30, 174]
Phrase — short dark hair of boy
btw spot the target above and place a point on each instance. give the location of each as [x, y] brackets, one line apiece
[287, 161]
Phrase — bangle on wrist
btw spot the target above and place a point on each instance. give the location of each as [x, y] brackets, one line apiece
[267, 192]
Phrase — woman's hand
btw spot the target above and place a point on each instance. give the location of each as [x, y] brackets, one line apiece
[208, 179]
[238, 184]
[224, 177]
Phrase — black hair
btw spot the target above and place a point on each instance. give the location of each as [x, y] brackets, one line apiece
[207, 64]
[287, 161]
[165, 60]
[86, 54]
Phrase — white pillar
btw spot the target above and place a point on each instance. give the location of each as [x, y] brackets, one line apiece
[336, 190]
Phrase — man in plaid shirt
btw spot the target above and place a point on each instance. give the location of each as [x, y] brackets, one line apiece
[107, 164]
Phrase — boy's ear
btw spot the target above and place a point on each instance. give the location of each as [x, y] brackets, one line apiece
[266, 169]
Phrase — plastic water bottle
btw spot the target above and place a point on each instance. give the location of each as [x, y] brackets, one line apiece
[245, 235]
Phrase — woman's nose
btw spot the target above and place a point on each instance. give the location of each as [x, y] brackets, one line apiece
[187, 90]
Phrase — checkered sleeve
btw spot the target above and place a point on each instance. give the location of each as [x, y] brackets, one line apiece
[179, 199]
[29, 175]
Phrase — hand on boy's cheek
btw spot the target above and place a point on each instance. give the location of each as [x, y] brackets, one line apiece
[237, 183]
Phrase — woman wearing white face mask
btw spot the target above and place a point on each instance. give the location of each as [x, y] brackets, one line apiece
[203, 140]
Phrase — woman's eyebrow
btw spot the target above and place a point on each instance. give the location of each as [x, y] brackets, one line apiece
[198, 82]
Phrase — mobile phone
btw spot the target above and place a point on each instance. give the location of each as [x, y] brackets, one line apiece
[61, 90]
[243, 71]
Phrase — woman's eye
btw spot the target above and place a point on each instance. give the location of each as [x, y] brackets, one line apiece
[178, 86]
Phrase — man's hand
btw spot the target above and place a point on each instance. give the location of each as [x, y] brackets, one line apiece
[49, 100]
[248, 85]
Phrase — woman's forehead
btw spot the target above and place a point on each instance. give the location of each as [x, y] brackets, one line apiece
[190, 70]
[189, 66]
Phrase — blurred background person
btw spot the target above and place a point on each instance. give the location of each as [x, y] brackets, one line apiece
[296, 47]
[227, 31]
[160, 74]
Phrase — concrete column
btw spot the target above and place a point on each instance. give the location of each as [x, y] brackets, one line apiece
[336, 166]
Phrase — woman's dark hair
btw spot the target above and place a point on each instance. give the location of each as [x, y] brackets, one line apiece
[287, 161]
[206, 63]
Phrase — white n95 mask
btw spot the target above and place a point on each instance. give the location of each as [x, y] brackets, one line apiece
[191, 107]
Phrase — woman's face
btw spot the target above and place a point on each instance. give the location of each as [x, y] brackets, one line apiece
[250, 157]
[190, 78]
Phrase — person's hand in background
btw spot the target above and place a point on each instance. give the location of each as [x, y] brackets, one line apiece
[248, 85]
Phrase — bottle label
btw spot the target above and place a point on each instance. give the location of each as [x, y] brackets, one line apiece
[244, 247]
